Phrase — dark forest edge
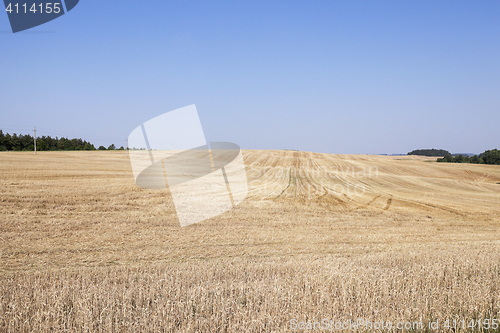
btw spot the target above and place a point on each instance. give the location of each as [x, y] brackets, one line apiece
[21, 142]
[430, 152]
[488, 157]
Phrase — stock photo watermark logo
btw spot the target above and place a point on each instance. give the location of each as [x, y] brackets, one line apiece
[170, 151]
[27, 14]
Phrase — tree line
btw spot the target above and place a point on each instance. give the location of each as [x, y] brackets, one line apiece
[488, 157]
[22, 142]
[430, 152]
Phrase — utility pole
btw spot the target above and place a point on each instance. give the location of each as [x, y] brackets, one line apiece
[34, 137]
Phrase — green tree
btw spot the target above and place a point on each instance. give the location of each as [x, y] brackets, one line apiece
[491, 157]
[474, 159]
[88, 146]
[459, 159]
[447, 159]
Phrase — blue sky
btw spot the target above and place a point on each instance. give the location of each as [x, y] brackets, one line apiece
[360, 77]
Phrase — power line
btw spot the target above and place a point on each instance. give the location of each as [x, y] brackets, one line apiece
[75, 135]
[25, 129]
[59, 134]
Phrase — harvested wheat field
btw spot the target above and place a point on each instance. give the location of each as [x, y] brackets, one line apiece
[320, 240]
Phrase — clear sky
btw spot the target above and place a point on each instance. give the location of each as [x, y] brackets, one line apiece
[360, 77]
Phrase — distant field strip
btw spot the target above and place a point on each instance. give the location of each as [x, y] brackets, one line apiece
[359, 181]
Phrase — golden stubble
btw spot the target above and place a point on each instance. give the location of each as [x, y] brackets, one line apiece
[319, 236]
